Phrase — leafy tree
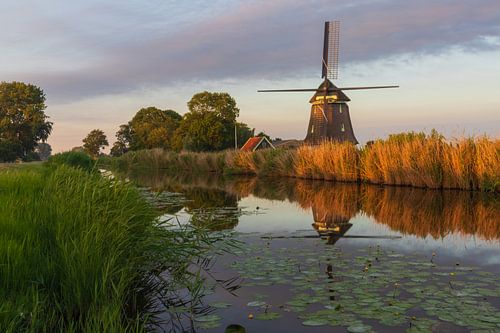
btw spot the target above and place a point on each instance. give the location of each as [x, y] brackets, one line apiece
[122, 143]
[150, 128]
[23, 122]
[243, 133]
[43, 151]
[94, 142]
[222, 104]
[209, 124]
[118, 149]
[261, 133]
[10, 150]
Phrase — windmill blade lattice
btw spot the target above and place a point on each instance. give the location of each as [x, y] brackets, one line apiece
[330, 61]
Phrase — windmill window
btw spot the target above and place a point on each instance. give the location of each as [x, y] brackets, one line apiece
[342, 128]
[312, 129]
[340, 109]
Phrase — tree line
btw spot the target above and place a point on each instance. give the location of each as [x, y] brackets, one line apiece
[209, 125]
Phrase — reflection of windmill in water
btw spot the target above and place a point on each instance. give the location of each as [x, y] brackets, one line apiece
[329, 224]
[330, 119]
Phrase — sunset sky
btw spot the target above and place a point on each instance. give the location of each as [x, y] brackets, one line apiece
[99, 62]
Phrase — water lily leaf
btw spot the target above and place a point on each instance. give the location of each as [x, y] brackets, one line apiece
[207, 318]
[268, 316]
[208, 324]
[220, 305]
[256, 303]
[358, 328]
[315, 322]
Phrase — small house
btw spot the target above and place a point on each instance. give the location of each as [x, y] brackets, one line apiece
[256, 143]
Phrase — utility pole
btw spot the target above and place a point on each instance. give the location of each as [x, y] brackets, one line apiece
[235, 137]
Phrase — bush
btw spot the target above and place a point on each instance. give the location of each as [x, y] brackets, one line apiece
[10, 151]
[74, 159]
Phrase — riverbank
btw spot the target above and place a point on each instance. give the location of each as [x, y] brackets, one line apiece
[408, 159]
[81, 253]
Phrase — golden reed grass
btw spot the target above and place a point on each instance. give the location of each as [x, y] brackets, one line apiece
[407, 159]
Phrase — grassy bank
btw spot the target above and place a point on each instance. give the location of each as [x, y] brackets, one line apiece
[408, 159]
[80, 253]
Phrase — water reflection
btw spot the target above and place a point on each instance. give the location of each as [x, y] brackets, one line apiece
[410, 211]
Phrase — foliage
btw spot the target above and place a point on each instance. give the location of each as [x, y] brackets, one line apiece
[243, 133]
[43, 150]
[94, 142]
[91, 256]
[22, 119]
[209, 124]
[261, 133]
[118, 149]
[222, 104]
[10, 150]
[150, 128]
[72, 158]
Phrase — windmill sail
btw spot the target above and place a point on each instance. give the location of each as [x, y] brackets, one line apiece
[330, 89]
[330, 61]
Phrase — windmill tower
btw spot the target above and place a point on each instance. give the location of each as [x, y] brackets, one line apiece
[329, 119]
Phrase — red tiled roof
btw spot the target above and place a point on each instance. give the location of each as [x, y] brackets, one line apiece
[251, 143]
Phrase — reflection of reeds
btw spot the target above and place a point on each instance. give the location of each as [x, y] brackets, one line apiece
[421, 213]
[410, 159]
[408, 210]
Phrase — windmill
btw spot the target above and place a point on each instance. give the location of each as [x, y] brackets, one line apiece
[330, 119]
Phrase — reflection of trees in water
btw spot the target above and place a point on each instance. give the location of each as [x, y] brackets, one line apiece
[407, 210]
[212, 208]
[437, 213]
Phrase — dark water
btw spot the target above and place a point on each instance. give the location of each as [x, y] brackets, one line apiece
[325, 257]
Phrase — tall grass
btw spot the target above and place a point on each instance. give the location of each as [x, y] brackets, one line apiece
[407, 159]
[79, 253]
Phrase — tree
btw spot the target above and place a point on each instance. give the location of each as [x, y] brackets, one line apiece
[261, 133]
[43, 151]
[122, 143]
[150, 128]
[209, 124]
[243, 133]
[23, 122]
[94, 142]
[118, 149]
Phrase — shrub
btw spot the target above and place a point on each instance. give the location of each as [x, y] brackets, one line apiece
[74, 159]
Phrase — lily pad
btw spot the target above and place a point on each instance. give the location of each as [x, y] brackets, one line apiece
[256, 303]
[207, 318]
[220, 305]
[315, 322]
[268, 316]
[358, 328]
[208, 324]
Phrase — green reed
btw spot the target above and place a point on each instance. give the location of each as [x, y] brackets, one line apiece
[80, 253]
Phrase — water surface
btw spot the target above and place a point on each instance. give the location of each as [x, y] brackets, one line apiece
[322, 256]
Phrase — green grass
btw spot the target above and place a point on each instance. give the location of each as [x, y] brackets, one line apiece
[20, 166]
[79, 253]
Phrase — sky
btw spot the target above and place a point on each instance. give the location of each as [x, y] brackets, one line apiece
[99, 62]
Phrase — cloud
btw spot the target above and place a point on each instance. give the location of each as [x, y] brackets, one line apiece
[257, 39]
